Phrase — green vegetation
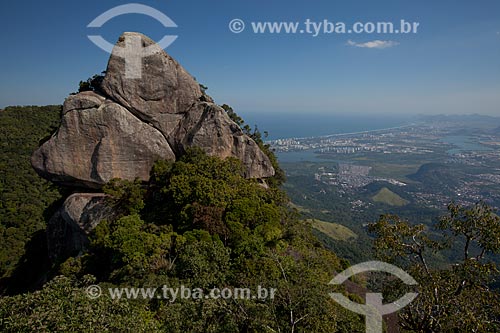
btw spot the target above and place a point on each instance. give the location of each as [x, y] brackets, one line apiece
[333, 203]
[93, 83]
[390, 198]
[63, 306]
[438, 176]
[455, 298]
[198, 223]
[326, 203]
[394, 169]
[24, 196]
[333, 230]
[300, 209]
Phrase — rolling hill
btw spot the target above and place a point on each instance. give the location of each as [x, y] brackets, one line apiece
[390, 198]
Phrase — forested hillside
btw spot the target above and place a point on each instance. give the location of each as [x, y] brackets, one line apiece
[24, 196]
[199, 224]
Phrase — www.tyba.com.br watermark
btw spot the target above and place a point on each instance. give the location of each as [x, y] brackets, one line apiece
[373, 310]
[173, 294]
[316, 28]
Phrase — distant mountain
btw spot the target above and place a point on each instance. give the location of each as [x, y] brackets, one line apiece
[470, 124]
[458, 117]
[436, 175]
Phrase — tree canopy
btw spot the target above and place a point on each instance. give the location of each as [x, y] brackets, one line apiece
[198, 223]
[456, 298]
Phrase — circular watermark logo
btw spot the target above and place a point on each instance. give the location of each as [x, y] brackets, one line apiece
[93, 291]
[133, 52]
[236, 26]
[374, 308]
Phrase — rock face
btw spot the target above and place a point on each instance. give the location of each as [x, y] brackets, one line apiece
[164, 87]
[137, 121]
[68, 229]
[122, 130]
[99, 140]
[208, 126]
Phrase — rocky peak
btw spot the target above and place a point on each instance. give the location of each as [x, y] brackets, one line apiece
[163, 86]
[121, 131]
[138, 120]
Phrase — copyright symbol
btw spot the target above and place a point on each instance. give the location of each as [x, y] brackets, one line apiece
[93, 292]
[236, 26]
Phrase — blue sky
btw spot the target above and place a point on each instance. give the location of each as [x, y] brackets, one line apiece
[451, 66]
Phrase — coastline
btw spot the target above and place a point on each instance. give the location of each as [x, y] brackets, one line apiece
[343, 134]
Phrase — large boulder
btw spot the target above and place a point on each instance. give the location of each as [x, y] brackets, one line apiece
[68, 229]
[135, 121]
[99, 140]
[121, 131]
[169, 98]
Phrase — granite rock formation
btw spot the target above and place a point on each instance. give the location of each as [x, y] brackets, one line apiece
[121, 130]
[68, 229]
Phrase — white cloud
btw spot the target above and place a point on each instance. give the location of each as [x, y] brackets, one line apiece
[374, 44]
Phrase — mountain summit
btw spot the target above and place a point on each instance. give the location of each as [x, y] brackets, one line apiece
[120, 130]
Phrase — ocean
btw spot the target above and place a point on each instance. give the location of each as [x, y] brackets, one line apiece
[309, 124]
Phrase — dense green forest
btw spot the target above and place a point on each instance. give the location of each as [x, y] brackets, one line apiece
[24, 196]
[199, 223]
